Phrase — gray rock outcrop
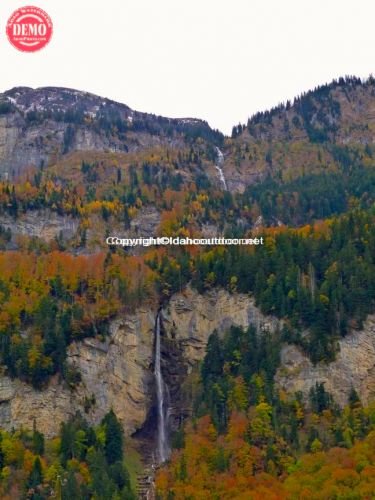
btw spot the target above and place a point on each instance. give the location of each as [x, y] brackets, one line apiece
[118, 372]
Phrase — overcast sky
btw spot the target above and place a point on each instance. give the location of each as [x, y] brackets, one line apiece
[220, 60]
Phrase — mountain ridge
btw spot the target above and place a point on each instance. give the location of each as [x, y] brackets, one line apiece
[67, 91]
[40, 126]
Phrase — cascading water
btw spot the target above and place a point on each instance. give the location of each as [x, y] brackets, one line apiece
[219, 165]
[162, 400]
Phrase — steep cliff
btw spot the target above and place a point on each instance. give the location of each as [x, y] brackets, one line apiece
[190, 318]
[44, 224]
[40, 126]
[115, 374]
[118, 372]
[354, 367]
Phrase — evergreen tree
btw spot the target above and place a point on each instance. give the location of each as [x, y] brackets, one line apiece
[38, 442]
[213, 361]
[36, 476]
[103, 487]
[113, 446]
[354, 399]
[70, 489]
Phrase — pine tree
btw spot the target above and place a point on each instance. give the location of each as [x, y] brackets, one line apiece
[36, 475]
[213, 361]
[113, 446]
[103, 487]
[38, 442]
[70, 489]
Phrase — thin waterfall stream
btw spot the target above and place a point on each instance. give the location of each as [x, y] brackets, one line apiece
[162, 396]
[219, 167]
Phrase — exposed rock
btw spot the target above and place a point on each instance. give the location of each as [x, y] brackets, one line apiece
[118, 372]
[145, 223]
[22, 147]
[354, 367]
[190, 318]
[44, 224]
[21, 405]
[8, 140]
[44, 124]
[188, 321]
[115, 374]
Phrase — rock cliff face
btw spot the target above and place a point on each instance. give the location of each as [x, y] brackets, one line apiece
[47, 225]
[190, 318]
[118, 372]
[40, 126]
[43, 224]
[354, 367]
[22, 147]
[115, 374]
[144, 224]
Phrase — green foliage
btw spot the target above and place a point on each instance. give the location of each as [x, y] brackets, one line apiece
[236, 383]
[113, 446]
[71, 466]
[38, 442]
[36, 476]
[261, 443]
[320, 399]
[241, 355]
[76, 438]
[55, 323]
[321, 279]
[71, 489]
[313, 196]
[49, 300]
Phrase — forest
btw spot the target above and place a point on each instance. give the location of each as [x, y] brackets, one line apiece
[302, 176]
[58, 298]
[318, 278]
[82, 462]
[248, 439]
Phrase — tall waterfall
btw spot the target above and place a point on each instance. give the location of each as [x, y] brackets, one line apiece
[162, 400]
[219, 167]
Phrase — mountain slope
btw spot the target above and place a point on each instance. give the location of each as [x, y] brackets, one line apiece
[304, 136]
[77, 318]
[39, 126]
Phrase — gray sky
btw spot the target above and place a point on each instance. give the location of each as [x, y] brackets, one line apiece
[220, 60]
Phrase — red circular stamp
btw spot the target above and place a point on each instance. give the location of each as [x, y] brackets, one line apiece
[29, 29]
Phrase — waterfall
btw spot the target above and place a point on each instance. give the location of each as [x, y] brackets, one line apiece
[219, 165]
[162, 400]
